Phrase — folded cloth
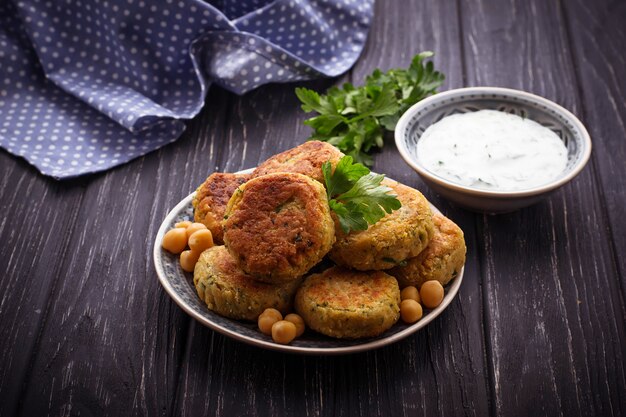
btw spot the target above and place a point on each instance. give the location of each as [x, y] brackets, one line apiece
[86, 86]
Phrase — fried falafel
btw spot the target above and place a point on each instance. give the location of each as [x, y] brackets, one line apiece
[209, 202]
[442, 259]
[398, 236]
[349, 304]
[278, 226]
[228, 291]
[306, 159]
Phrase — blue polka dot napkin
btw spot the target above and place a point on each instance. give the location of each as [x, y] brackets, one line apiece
[88, 85]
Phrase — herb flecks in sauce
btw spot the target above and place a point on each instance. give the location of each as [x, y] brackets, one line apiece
[490, 149]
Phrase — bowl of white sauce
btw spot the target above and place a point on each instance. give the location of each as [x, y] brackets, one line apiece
[492, 149]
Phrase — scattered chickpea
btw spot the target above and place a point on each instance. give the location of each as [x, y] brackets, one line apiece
[273, 312]
[267, 319]
[184, 224]
[188, 260]
[410, 293]
[194, 227]
[431, 293]
[410, 311]
[297, 321]
[175, 240]
[201, 240]
[283, 332]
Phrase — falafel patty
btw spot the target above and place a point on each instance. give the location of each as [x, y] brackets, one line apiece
[304, 159]
[396, 237]
[209, 203]
[229, 292]
[442, 259]
[349, 304]
[278, 226]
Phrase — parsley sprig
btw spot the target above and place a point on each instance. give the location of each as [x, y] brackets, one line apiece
[357, 196]
[354, 119]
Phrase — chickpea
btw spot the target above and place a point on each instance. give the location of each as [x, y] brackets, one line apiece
[194, 227]
[410, 311]
[431, 293]
[283, 332]
[175, 240]
[184, 224]
[201, 240]
[267, 319]
[188, 260]
[273, 312]
[297, 321]
[410, 293]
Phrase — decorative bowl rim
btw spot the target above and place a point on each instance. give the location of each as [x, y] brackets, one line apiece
[408, 116]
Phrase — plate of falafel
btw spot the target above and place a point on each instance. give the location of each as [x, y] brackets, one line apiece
[275, 245]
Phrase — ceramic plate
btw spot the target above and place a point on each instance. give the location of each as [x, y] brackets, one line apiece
[179, 285]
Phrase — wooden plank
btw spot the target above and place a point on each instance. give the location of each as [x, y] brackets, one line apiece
[233, 379]
[90, 331]
[220, 376]
[554, 316]
[596, 30]
[38, 218]
[442, 370]
[113, 339]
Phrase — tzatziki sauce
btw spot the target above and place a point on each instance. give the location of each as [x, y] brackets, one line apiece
[492, 150]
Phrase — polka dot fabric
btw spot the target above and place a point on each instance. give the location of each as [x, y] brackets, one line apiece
[85, 86]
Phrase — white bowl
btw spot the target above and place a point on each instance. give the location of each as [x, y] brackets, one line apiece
[420, 116]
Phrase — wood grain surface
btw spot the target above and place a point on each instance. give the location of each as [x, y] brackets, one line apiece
[568, 280]
[538, 327]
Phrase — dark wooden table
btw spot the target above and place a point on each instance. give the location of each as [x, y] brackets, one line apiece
[538, 327]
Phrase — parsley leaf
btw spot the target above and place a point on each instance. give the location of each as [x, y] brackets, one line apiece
[354, 119]
[371, 198]
[345, 176]
[356, 196]
[311, 101]
[349, 219]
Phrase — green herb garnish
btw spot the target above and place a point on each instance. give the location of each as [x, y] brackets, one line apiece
[393, 261]
[357, 196]
[354, 119]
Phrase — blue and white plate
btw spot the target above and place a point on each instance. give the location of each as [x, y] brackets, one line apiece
[179, 285]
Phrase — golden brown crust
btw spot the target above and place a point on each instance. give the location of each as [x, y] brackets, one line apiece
[230, 292]
[209, 203]
[349, 304]
[442, 259]
[396, 237]
[278, 226]
[306, 159]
